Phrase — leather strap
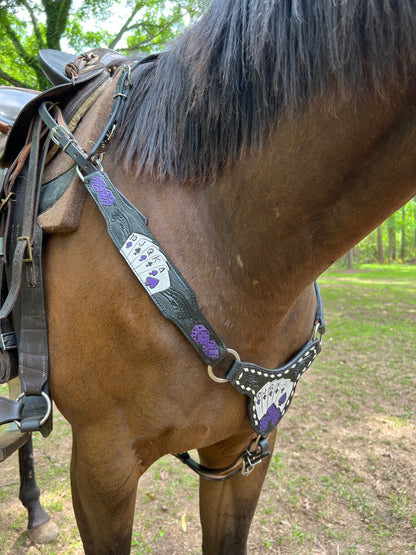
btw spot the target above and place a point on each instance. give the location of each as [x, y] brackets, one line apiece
[25, 296]
[128, 229]
[244, 463]
[8, 347]
[10, 410]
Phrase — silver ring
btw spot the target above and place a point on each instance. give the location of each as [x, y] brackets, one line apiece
[223, 380]
[48, 408]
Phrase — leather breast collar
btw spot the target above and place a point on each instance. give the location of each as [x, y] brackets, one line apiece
[269, 391]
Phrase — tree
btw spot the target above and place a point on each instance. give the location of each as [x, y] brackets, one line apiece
[380, 253]
[140, 26]
[391, 226]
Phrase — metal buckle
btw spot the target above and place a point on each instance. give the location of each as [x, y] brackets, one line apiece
[4, 201]
[64, 133]
[48, 408]
[251, 459]
[8, 341]
[316, 331]
[29, 248]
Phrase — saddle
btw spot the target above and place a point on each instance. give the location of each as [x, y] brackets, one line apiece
[28, 195]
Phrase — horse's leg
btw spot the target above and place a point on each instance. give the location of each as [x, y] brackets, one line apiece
[40, 527]
[104, 477]
[227, 508]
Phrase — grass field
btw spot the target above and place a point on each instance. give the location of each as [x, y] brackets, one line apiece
[343, 475]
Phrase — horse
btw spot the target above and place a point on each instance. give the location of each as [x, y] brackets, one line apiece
[266, 142]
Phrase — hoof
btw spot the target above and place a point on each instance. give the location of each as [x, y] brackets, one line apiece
[45, 533]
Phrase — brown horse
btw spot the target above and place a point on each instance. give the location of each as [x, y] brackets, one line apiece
[264, 144]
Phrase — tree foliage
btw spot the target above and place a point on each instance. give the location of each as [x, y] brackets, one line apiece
[129, 26]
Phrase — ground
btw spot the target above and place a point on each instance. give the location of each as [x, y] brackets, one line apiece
[342, 478]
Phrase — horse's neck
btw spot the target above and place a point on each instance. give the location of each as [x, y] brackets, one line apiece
[324, 181]
[252, 243]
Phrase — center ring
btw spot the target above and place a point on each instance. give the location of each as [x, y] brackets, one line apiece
[223, 380]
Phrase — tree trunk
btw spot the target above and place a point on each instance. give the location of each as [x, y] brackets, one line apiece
[350, 261]
[392, 244]
[403, 236]
[380, 253]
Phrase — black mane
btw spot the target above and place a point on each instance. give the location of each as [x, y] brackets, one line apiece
[222, 85]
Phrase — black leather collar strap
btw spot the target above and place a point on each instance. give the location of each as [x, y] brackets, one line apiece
[128, 229]
[165, 285]
[270, 392]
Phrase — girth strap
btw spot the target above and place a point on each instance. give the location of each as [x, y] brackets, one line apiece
[8, 346]
[10, 410]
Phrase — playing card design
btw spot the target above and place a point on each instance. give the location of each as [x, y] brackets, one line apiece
[272, 400]
[155, 279]
[271, 391]
[147, 262]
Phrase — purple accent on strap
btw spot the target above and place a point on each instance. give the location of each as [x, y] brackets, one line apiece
[105, 197]
[282, 399]
[129, 244]
[272, 415]
[151, 282]
[200, 335]
[210, 348]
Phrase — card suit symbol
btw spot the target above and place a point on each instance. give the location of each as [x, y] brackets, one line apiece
[151, 282]
[282, 399]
